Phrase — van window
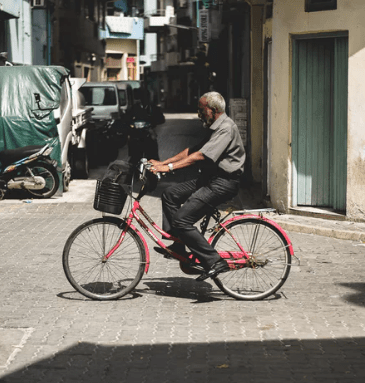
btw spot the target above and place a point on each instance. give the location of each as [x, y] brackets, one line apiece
[99, 96]
[122, 97]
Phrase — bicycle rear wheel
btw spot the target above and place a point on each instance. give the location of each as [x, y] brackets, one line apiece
[83, 254]
[269, 263]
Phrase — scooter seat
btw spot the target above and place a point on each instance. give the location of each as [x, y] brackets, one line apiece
[9, 156]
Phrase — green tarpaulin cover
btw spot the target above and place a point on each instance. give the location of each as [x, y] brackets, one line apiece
[23, 121]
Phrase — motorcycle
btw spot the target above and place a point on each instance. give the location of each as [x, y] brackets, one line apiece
[29, 168]
[102, 142]
[142, 139]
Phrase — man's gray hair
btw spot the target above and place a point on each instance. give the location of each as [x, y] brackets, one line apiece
[215, 100]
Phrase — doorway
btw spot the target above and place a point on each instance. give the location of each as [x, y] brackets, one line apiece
[319, 122]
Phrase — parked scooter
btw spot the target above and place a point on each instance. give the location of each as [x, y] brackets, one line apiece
[142, 139]
[29, 168]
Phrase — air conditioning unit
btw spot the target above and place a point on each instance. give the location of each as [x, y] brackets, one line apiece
[38, 3]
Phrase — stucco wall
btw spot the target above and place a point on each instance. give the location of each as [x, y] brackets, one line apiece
[289, 18]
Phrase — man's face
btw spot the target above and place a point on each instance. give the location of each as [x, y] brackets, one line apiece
[205, 114]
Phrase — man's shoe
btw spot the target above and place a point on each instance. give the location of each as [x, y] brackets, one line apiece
[176, 248]
[220, 266]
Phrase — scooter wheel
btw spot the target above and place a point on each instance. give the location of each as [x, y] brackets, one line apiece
[50, 175]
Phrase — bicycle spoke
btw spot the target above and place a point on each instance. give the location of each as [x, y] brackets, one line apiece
[269, 263]
[86, 268]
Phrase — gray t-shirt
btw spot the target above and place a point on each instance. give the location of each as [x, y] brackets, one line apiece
[225, 147]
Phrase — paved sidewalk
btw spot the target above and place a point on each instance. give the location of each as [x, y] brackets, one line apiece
[325, 227]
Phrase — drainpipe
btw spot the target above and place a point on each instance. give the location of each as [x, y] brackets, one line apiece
[197, 13]
[137, 62]
[23, 33]
[49, 36]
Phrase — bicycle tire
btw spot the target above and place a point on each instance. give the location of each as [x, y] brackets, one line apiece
[83, 253]
[270, 259]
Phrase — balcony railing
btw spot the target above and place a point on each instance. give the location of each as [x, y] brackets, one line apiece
[158, 62]
[158, 66]
[157, 56]
[172, 58]
[113, 62]
[155, 12]
[167, 12]
[158, 18]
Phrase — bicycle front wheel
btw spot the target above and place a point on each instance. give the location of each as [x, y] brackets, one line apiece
[83, 259]
[268, 266]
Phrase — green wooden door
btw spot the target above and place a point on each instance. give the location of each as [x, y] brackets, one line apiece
[320, 122]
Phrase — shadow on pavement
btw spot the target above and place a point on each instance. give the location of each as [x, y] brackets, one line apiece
[319, 360]
[180, 287]
[76, 296]
[358, 297]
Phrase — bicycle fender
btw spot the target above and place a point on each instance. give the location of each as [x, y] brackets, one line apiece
[145, 246]
[244, 217]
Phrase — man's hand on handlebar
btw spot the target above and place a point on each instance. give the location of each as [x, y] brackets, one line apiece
[159, 168]
[154, 162]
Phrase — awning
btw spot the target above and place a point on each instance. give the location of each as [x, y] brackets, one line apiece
[11, 8]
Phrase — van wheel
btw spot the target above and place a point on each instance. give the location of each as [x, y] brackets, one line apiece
[66, 177]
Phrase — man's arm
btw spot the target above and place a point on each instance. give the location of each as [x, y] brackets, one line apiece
[172, 160]
[180, 161]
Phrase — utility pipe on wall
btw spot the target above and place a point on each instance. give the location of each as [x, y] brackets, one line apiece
[197, 13]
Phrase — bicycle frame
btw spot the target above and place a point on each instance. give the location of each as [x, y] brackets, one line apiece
[128, 224]
[240, 257]
[247, 216]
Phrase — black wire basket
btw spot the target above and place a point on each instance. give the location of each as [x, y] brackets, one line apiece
[110, 197]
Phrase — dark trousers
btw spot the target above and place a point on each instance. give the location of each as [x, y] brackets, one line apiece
[186, 203]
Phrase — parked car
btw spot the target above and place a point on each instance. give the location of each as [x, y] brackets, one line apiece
[111, 100]
[112, 103]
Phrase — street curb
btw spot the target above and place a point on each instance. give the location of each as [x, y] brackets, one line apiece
[323, 231]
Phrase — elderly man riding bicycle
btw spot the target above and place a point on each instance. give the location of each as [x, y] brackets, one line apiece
[221, 157]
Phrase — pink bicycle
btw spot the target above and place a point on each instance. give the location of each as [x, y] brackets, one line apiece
[105, 258]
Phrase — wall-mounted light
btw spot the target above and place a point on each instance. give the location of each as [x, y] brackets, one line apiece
[92, 58]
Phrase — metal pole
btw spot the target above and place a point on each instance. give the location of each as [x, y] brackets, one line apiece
[49, 36]
[197, 13]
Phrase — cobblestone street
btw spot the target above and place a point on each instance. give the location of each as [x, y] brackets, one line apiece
[172, 328]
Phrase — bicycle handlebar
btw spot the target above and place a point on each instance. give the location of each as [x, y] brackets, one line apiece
[146, 166]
